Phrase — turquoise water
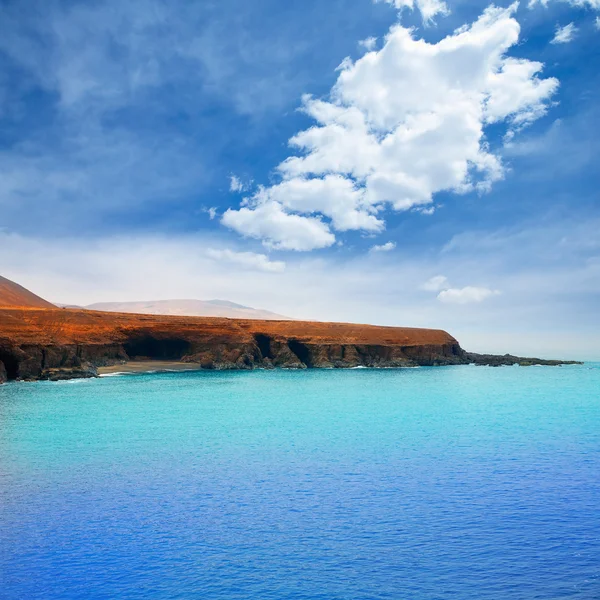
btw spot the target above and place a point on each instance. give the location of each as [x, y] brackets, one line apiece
[432, 483]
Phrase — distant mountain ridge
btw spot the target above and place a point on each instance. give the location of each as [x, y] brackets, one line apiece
[189, 308]
[13, 294]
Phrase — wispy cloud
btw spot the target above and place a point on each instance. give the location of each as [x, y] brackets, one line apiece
[450, 295]
[235, 185]
[108, 53]
[368, 44]
[111, 107]
[436, 284]
[429, 9]
[387, 247]
[466, 295]
[260, 262]
[95, 171]
[565, 34]
[593, 4]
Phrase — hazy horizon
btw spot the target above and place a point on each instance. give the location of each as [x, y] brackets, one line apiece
[409, 163]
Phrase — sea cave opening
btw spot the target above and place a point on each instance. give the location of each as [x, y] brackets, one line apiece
[11, 364]
[264, 345]
[301, 351]
[158, 349]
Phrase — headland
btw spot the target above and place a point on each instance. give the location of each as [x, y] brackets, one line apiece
[39, 341]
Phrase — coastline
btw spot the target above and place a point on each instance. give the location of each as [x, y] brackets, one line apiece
[148, 366]
[170, 366]
[55, 345]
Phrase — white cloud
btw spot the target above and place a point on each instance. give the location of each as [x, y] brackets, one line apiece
[211, 211]
[449, 295]
[368, 44]
[235, 184]
[334, 196]
[278, 229]
[251, 260]
[428, 8]
[516, 92]
[238, 186]
[404, 123]
[597, 23]
[436, 284]
[426, 210]
[387, 247]
[466, 295]
[594, 4]
[565, 34]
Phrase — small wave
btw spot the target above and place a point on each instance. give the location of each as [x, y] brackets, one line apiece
[117, 374]
[151, 372]
[382, 368]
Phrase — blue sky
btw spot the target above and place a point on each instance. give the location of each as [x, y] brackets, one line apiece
[442, 169]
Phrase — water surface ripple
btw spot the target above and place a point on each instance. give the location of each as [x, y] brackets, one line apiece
[432, 483]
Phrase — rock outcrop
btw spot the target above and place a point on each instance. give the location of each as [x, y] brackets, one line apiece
[508, 360]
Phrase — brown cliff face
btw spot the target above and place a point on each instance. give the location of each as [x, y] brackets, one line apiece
[56, 343]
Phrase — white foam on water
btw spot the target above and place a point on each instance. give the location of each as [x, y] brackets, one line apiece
[117, 374]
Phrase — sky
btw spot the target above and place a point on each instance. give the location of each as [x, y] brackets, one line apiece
[398, 162]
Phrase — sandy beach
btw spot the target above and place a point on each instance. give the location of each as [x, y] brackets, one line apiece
[147, 366]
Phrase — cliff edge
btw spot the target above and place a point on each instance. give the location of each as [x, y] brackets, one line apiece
[59, 343]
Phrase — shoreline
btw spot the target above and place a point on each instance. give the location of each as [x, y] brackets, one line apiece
[141, 367]
[172, 366]
[149, 366]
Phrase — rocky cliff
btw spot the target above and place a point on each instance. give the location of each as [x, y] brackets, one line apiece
[61, 343]
[66, 343]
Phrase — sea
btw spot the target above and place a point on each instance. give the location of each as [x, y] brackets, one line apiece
[430, 483]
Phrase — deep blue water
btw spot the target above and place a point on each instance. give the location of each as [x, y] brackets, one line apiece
[432, 483]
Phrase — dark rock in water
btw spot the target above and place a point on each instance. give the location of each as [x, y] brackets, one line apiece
[492, 360]
[3, 375]
[86, 371]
